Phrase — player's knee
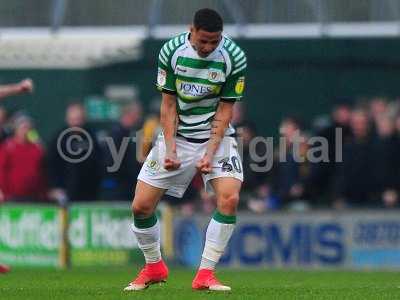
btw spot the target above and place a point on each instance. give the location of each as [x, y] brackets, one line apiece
[228, 202]
[141, 209]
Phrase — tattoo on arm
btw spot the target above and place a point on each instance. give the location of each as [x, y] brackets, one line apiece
[216, 126]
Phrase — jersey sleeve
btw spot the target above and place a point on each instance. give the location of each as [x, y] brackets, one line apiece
[165, 74]
[233, 88]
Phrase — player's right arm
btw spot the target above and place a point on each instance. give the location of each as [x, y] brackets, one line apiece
[168, 114]
[25, 86]
[168, 119]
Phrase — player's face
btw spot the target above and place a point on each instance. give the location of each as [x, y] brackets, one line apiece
[203, 41]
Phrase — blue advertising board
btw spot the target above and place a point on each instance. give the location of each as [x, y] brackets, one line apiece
[360, 239]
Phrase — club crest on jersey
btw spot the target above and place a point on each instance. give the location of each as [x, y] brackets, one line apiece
[161, 77]
[239, 87]
[214, 75]
[152, 167]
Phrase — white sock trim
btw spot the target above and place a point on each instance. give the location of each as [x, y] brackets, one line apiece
[148, 240]
[217, 238]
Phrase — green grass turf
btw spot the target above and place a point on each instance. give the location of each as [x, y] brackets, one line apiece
[107, 283]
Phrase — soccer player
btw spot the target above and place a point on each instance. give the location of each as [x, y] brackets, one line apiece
[200, 75]
[25, 86]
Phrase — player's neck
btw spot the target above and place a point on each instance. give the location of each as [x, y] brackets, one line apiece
[190, 42]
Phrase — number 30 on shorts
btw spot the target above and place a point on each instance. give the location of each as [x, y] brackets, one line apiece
[230, 163]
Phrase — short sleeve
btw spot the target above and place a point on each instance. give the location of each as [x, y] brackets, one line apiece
[165, 74]
[234, 86]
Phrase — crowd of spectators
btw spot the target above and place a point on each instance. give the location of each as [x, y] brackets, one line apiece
[360, 167]
[73, 166]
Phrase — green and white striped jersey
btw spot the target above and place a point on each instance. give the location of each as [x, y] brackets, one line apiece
[200, 83]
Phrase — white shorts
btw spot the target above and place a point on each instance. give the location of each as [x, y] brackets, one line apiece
[226, 163]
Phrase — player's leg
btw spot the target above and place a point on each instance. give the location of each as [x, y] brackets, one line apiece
[219, 232]
[222, 222]
[147, 232]
[225, 179]
[153, 182]
[146, 226]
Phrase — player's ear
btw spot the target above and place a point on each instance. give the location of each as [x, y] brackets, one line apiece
[192, 29]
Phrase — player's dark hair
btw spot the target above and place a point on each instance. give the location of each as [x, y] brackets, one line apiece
[208, 20]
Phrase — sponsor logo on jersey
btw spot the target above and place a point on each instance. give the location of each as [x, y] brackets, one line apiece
[239, 87]
[195, 90]
[181, 70]
[161, 77]
[215, 75]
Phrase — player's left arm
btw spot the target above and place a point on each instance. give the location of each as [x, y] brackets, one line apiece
[231, 92]
[25, 86]
[220, 123]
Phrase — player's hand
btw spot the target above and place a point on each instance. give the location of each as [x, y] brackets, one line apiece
[204, 165]
[171, 162]
[26, 85]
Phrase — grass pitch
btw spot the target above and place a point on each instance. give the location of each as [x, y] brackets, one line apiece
[108, 283]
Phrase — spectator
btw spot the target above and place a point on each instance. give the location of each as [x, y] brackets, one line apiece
[120, 184]
[385, 162]
[321, 173]
[25, 86]
[76, 179]
[22, 174]
[291, 169]
[397, 125]
[353, 177]
[255, 190]
[377, 107]
[4, 128]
